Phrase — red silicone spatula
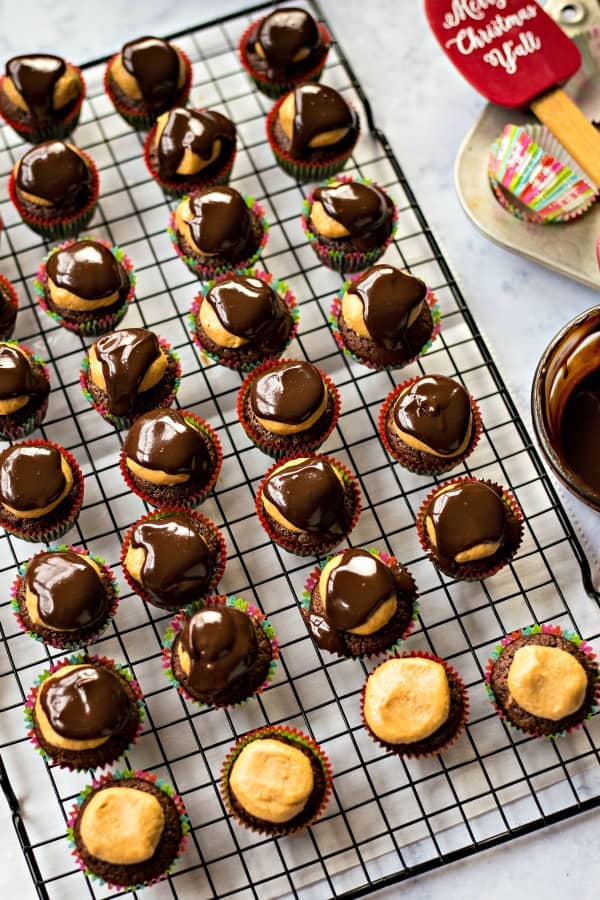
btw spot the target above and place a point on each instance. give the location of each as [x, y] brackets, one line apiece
[514, 54]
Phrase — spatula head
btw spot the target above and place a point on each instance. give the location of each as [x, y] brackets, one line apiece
[511, 51]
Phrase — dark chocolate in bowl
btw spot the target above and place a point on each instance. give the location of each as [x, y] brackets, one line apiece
[565, 405]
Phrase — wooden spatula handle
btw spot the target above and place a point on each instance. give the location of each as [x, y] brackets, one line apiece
[576, 133]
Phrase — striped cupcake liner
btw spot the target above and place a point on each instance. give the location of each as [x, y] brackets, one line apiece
[194, 183]
[140, 119]
[57, 131]
[9, 294]
[16, 431]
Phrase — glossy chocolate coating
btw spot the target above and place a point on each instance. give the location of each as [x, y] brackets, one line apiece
[87, 703]
[388, 296]
[163, 441]
[222, 646]
[221, 222]
[17, 377]
[325, 635]
[357, 585]
[53, 171]
[154, 64]
[69, 590]
[437, 411]
[246, 307]
[196, 130]
[363, 209]
[309, 495]
[87, 269]
[178, 564]
[35, 76]
[8, 313]
[31, 477]
[318, 109]
[125, 357]
[283, 34]
[469, 514]
[580, 430]
[289, 392]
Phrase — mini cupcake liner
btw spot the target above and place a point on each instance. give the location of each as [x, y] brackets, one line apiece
[388, 560]
[177, 625]
[116, 776]
[51, 533]
[15, 431]
[196, 182]
[304, 171]
[336, 308]
[421, 654]
[345, 261]
[547, 188]
[62, 226]
[10, 295]
[122, 423]
[440, 464]
[532, 630]
[280, 287]
[58, 642]
[58, 130]
[290, 544]
[76, 660]
[275, 731]
[155, 517]
[103, 322]
[195, 497]
[476, 572]
[142, 120]
[279, 445]
[276, 89]
[208, 272]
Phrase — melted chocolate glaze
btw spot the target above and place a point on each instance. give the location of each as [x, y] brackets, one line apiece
[246, 307]
[468, 514]
[222, 646]
[580, 430]
[309, 495]
[35, 76]
[196, 130]
[86, 703]
[31, 477]
[154, 64]
[125, 357]
[162, 440]
[221, 223]
[69, 590]
[437, 411]
[282, 35]
[325, 634]
[17, 376]
[358, 584]
[87, 269]
[318, 109]
[290, 393]
[389, 296]
[53, 171]
[363, 209]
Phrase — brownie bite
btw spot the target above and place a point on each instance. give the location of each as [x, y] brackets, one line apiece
[41, 95]
[24, 389]
[9, 305]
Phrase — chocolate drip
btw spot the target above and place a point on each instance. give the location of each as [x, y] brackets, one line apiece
[324, 634]
[178, 564]
[8, 313]
[283, 34]
[309, 495]
[125, 357]
[318, 109]
[221, 223]
[580, 430]
[363, 209]
[222, 646]
[52, 171]
[87, 269]
[389, 297]
[155, 66]
[17, 376]
[31, 477]
[35, 76]
[69, 591]
[468, 514]
[196, 130]
[163, 441]
[358, 584]
[289, 393]
[86, 703]
[248, 308]
[437, 411]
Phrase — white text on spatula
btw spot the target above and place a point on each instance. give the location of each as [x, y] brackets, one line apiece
[509, 54]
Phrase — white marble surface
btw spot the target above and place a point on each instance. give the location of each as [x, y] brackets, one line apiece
[426, 110]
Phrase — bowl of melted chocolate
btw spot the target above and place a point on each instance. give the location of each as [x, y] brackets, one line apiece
[565, 404]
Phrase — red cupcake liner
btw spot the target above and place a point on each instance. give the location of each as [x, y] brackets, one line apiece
[59, 130]
[276, 89]
[11, 430]
[60, 642]
[196, 182]
[437, 465]
[476, 572]
[273, 731]
[61, 226]
[141, 120]
[221, 561]
[195, 497]
[421, 654]
[279, 445]
[43, 535]
[290, 544]
[10, 295]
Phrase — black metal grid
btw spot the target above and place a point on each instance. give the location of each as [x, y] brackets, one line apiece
[389, 818]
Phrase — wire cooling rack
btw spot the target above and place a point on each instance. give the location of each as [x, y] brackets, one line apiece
[389, 818]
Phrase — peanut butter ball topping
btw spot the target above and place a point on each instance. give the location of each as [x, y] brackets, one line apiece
[52, 171]
[87, 269]
[154, 64]
[88, 702]
[35, 77]
[307, 494]
[221, 222]
[436, 412]
[219, 645]
[195, 133]
[318, 110]
[162, 440]
[285, 38]
[31, 477]
[126, 357]
[66, 590]
[465, 522]
[363, 211]
[290, 393]
[391, 301]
